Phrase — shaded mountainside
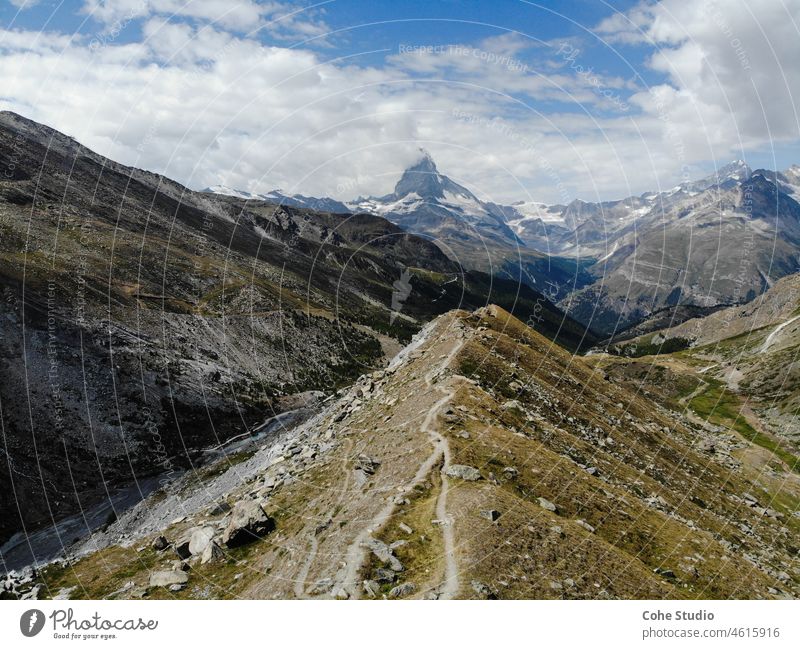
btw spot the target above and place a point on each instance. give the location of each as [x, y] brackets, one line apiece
[142, 321]
[482, 462]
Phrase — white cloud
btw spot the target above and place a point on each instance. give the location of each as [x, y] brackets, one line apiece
[206, 104]
[731, 67]
[24, 4]
[245, 16]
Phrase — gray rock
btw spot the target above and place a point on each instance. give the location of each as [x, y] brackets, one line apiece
[248, 523]
[546, 504]
[463, 472]
[384, 575]
[372, 588]
[160, 543]
[403, 590]
[199, 539]
[510, 472]
[482, 589]
[490, 514]
[367, 464]
[168, 578]
[384, 554]
[405, 528]
[212, 552]
[585, 525]
[182, 549]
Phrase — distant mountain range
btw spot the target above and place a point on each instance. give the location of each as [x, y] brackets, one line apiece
[716, 241]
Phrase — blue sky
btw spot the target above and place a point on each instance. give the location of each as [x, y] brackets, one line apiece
[522, 101]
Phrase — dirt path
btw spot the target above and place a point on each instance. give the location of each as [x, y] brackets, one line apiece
[347, 578]
[300, 585]
[450, 586]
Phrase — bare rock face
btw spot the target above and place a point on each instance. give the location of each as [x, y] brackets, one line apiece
[248, 523]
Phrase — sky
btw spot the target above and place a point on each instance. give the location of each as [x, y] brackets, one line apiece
[519, 101]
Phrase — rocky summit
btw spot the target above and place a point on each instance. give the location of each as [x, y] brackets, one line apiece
[482, 462]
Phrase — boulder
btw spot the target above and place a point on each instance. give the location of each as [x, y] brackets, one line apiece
[168, 577]
[372, 588]
[199, 539]
[160, 543]
[546, 504]
[367, 464]
[384, 575]
[403, 590]
[212, 552]
[463, 472]
[182, 548]
[248, 523]
[490, 514]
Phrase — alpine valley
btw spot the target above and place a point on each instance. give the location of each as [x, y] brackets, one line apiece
[219, 393]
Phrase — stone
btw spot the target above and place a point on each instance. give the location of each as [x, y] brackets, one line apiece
[248, 523]
[546, 504]
[490, 514]
[405, 528]
[666, 573]
[384, 554]
[510, 472]
[385, 576]
[403, 590]
[321, 586]
[168, 578]
[199, 539]
[176, 587]
[585, 525]
[707, 446]
[160, 543]
[482, 589]
[463, 472]
[212, 552]
[372, 588]
[367, 464]
[182, 549]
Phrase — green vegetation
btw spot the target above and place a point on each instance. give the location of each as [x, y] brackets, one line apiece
[718, 405]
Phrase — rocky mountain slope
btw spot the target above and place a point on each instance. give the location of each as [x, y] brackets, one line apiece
[280, 198]
[750, 352]
[142, 322]
[722, 246]
[482, 462]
